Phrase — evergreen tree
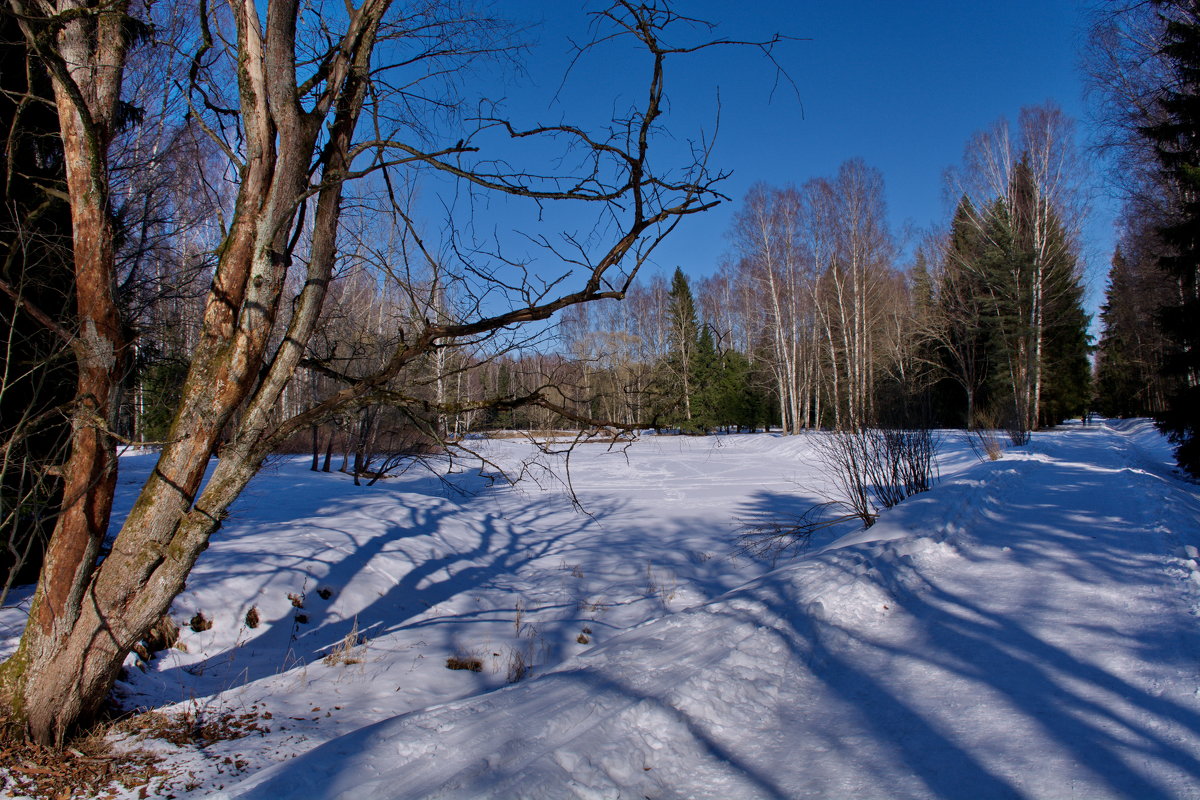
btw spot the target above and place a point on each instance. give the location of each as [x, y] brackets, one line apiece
[1131, 350]
[705, 381]
[1176, 140]
[962, 319]
[725, 392]
[1067, 373]
[1063, 366]
[1033, 326]
[1004, 269]
[680, 387]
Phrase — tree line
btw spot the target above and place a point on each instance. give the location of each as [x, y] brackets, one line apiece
[811, 322]
[1145, 61]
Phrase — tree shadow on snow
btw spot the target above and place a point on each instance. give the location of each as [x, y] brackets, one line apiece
[429, 571]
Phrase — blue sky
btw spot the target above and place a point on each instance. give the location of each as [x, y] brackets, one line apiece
[900, 85]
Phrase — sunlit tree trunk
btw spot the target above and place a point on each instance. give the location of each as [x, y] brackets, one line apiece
[85, 58]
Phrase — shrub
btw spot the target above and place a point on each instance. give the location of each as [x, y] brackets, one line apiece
[871, 469]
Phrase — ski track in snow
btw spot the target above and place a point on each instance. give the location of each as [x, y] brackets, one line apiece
[1027, 629]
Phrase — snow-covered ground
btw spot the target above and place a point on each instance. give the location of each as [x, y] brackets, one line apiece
[1026, 629]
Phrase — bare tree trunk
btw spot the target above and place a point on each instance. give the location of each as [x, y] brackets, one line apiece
[316, 448]
[72, 648]
[86, 76]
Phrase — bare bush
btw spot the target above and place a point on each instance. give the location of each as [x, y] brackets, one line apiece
[1018, 432]
[985, 444]
[871, 469]
[984, 439]
[876, 468]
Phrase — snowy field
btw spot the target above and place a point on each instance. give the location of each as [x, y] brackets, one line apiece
[1026, 629]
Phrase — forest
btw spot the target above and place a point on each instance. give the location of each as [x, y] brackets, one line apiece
[217, 240]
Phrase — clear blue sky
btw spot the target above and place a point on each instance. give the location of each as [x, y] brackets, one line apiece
[900, 85]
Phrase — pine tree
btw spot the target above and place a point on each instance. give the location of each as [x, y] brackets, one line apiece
[1176, 140]
[680, 364]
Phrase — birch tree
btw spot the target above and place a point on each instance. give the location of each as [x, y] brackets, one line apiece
[1023, 192]
[768, 240]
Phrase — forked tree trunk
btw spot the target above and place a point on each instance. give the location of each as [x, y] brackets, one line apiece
[85, 619]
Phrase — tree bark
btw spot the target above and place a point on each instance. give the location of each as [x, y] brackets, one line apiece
[85, 67]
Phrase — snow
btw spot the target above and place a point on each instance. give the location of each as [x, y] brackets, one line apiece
[1028, 628]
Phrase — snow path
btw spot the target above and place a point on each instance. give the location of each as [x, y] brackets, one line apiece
[1027, 629]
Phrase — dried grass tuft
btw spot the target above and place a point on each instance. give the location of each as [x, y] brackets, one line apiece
[349, 650]
[469, 663]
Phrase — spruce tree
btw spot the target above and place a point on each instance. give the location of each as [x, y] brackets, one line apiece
[1176, 140]
[1118, 379]
[1131, 347]
[1065, 367]
[1117, 375]
[680, 387]
[963, 318]
[705, 381]
[1004, 270]
[1033, 325]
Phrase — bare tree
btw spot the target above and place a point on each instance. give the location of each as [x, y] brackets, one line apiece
[855, 286]
[769, 241]
[283, 91]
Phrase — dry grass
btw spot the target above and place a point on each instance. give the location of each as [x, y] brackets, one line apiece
[518, 615]
[662, 586]
[163, 635]
[522, 657]
[518, 665]
[469, 663]
[349, 650]
[984, 439]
